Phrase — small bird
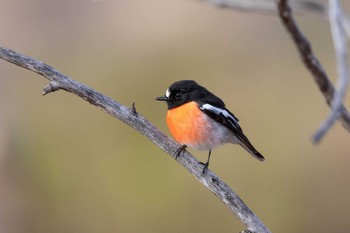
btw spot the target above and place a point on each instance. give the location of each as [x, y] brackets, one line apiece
[199, 119]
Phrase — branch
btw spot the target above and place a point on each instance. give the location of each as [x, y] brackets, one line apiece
[269, 6]
[336, 20]
[302, 7]
[130, 117]
[340, 29]
[310, 61]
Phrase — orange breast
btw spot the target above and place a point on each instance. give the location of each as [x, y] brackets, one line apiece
[187, 124]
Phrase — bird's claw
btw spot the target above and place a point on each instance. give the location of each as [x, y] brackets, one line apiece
[179, 150]
[205, 168]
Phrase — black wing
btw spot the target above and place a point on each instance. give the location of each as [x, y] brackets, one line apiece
[227, 119]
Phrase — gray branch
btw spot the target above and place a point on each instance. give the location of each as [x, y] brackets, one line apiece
[336, 19]
[340, 29]
[310, 61]
[135, 120]
[300, 7]
[269, 6]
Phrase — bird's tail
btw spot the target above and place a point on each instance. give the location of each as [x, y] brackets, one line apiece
[250, 148]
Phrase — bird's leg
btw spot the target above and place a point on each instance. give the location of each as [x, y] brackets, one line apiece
[179, 150]
[206, 165]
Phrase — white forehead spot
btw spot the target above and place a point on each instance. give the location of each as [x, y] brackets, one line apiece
[167, 93]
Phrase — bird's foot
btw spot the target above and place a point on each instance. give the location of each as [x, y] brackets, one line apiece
[205, 168]
[179, 150]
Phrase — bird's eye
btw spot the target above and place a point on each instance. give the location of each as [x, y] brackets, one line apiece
[177, 96]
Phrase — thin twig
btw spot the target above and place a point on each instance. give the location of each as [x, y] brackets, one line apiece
[133, 108]
[336, 20]
[269, 6]
[302, 7]
[143, 126]
[310, 61]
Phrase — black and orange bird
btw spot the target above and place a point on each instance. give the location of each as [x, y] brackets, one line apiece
[199, 119]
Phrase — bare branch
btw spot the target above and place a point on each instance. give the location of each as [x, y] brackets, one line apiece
[310, 61]
[269, 6]
[302, 7]
[51, 87]
[142, 125]
[336, 20]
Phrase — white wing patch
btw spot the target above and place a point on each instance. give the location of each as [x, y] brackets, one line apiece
[167, 93]
[215, 110]
[219, 111]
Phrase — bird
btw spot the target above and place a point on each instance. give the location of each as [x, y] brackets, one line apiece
[199, 119]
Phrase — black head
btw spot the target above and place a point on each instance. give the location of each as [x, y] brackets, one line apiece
[185, 91]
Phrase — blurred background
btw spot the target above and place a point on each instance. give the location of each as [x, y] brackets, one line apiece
[66, 166]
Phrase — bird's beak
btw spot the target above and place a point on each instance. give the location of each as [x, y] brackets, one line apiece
[162, 98]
